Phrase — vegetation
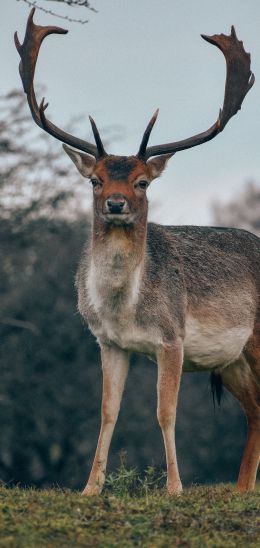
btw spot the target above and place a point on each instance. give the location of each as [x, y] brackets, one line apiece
[132, 512]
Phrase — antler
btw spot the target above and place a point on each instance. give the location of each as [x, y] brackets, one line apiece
[28, 52]
[239, 80]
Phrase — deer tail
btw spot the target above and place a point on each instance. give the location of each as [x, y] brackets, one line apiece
[216, 387]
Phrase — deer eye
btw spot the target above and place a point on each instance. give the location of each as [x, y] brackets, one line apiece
[96, 183]
[142, 184]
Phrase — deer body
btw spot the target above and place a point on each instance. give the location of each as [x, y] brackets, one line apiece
[194, 287]
[141, 306]
[188, 297]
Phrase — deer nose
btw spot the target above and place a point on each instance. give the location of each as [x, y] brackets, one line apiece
[115, 203]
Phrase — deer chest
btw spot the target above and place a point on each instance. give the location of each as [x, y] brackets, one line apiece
[112, 314]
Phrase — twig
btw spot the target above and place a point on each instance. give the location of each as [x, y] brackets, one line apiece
[33, 4]
[21, 324]
[79, 3]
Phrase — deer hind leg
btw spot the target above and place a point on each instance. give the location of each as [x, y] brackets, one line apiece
[169, 373]
[115, 364]
[239, 379]
[252, 351]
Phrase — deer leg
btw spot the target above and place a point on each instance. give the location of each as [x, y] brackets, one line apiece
[252, 351]
[115, 368]
[169, 373]
[242, 383]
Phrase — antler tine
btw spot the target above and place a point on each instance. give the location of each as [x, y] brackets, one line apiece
[146, 135]
[28, 52]
[100, 146]
[239, 80]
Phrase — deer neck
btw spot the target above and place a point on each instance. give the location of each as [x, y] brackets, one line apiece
[116, 266]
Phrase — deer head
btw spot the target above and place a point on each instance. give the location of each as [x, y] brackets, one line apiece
[119, 182]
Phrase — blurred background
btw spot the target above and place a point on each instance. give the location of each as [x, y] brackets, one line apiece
[127, 59]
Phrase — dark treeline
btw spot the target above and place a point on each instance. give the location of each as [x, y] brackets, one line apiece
[50, 388]
[51, 377]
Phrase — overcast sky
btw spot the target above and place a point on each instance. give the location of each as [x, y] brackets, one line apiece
[136, 55]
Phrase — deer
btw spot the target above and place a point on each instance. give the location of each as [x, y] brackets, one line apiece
[188, 297]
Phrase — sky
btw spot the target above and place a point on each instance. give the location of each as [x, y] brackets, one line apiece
[135, 56]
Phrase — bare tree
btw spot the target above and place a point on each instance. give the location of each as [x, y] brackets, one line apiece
[29, 163]
[243, 211]
[35, 177]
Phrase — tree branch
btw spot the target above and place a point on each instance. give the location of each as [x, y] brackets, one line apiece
[13, 322]
[71, 3]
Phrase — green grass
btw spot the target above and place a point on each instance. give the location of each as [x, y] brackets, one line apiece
[131, 512]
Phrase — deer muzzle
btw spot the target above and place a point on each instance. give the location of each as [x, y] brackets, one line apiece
[116, 204]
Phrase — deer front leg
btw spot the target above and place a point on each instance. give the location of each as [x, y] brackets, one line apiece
[170, 360]
[115, 364]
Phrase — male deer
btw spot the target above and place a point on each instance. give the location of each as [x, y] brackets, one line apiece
[187, 297]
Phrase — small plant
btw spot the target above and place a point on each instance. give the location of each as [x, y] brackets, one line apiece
[154, 479]
[128, 482]
[123, 482]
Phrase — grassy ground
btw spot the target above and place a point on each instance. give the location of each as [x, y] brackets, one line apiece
[130, 513]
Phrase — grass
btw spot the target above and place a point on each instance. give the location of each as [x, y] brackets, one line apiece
[131, 512]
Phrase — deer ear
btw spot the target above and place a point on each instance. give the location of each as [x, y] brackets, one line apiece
[84, 162]
[157, 164]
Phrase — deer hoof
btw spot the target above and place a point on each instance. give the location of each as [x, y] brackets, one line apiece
[92, 490]
[174, 489]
